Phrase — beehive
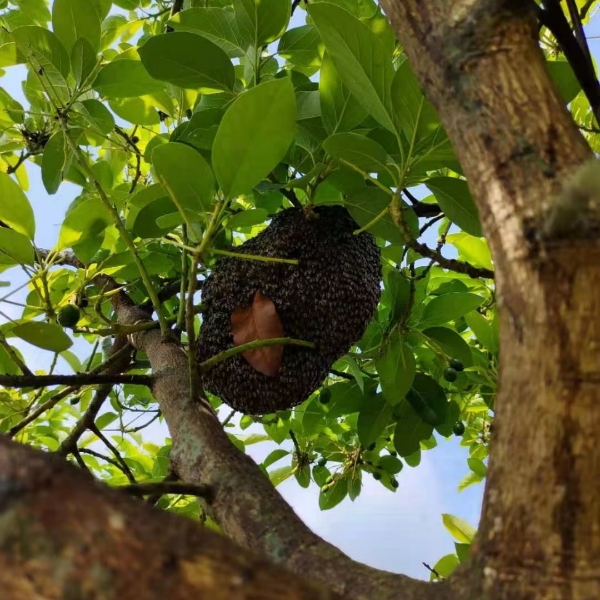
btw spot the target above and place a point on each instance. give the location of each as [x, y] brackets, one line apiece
[328, 299]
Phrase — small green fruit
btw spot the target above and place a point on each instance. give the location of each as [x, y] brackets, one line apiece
[457, 365]
[325, 396]
[325, 489]
[450, 374]
[68, 316]
[394, 482]
[329, 480]
[458, 428]
[322, 462]
[376, 476]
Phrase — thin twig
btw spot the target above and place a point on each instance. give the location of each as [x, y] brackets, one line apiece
[124, 466]
[42, 381]
[167, 487]
[424, 250]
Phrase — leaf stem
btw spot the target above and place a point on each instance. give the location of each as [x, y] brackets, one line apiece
[211, 362]
[164, 327]
[373, 221]
[190, 314]
[287, 261]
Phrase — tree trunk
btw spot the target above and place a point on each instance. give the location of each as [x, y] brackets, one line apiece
[479, 63]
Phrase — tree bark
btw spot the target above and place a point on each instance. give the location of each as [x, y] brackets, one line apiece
[65, 535]
[479, 63]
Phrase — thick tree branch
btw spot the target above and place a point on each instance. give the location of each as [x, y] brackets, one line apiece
[244, 503]
[40, 381]
[65, 535]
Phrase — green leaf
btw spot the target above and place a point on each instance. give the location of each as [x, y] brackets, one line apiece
[83, 60]
[474, 250]
[448, 307]
[477, 466]
[274, 456]
[185, 175]
[145, 224]
[340, 110]
[460, 530]
[412, 111]
[48, 336]
[84, 222]
[247, 218]
[15, 209]
[468, 480]
[139, 111]
[201, 129]
[15, 248]
[125, 79]
[359, 56]
[410, 430]
[453, 345]
[215, 24]
[54, 160]
[106, 419]
[37, 10]
[463, 551]
[445, 566]
[396, 369]
[358, 150]
[346, 398]
[72, 360]
[398, 288]
[390, 464]
[373, 418]
[72, 20]
[334, 495]
[261, 21]
[354, 484]
[302, 476]
[456, 202]
[428, 400]
[189, 61]
[43, 48]
[254, 135]
[364, 205]
[483, 330]
[97, 116]
[302, 47]
[280, 475]
[564, 79]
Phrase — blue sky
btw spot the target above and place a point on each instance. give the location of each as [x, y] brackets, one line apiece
[397, 531]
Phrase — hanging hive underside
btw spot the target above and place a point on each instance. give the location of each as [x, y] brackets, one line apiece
[328, 299]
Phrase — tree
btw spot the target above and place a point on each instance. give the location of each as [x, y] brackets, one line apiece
[172, 187]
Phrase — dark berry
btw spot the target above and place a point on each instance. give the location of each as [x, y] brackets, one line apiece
[458, 428]
[372, 446]
[394, 482]
[450, 374]
[322, 462]
[377, 476]
[457, 365]
[325, 396]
